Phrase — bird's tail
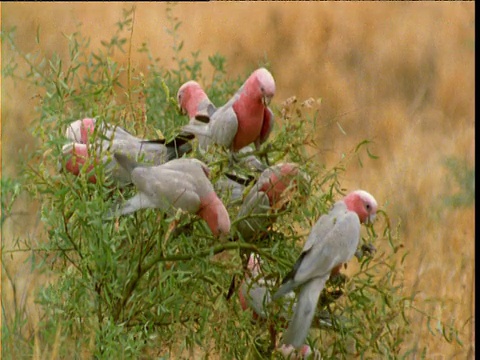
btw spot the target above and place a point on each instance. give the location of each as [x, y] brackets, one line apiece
[305, 308]
[197, 129]
[179, 146]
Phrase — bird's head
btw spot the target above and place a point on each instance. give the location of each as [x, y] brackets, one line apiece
[364, 204]
[79, 131]
[266, 84]
[189, 95]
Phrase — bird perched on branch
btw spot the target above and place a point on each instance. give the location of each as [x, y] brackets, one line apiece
[177, 184]
[331, 243]
[268, 196]
[243, 120]
[100, 142]
[195, 103]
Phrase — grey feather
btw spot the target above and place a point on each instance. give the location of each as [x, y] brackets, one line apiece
[305, 308]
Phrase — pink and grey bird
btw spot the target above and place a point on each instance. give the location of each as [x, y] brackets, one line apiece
[268, 195]
[244, 119]
[112, 139]
[177, 184]
[331, 243]
[194, 102]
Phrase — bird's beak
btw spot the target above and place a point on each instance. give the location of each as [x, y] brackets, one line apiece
[371, 219]
[266, 100]
[181, 110]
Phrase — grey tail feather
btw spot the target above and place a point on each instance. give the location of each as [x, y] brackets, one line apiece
[240, 180]
[175, 152]
[125, 162]
[301, 321]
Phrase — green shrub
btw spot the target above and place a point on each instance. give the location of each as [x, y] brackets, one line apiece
[129, 289]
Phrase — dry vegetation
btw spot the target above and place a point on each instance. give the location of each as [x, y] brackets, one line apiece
[401, 75]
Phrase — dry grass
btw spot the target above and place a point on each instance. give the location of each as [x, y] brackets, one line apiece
[399, 74]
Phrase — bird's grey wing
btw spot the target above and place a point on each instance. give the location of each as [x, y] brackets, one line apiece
[224, 126]
[166, 188]
[326, 247]
[334, 245]
[324, 224]
[257, 296]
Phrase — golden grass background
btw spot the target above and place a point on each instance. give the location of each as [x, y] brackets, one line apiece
[400, 74]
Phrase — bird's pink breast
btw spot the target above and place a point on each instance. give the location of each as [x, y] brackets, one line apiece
[250, 121]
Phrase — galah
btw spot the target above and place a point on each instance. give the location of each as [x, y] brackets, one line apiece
[332, 242]
[194, 102]
[112, 139]
[244, 119]
[267, 196]
[81, 131]
[177, 184]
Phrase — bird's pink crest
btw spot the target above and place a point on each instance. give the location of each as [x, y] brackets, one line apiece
[362, 203]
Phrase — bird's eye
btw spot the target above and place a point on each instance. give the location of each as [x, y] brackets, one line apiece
[368, 206]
